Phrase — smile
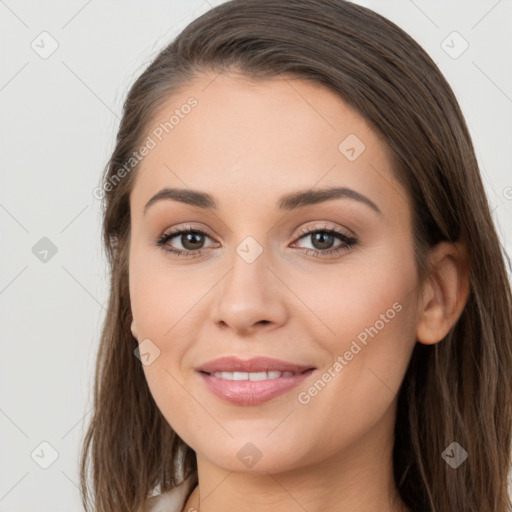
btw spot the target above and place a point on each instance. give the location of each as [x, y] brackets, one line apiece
[252, 388]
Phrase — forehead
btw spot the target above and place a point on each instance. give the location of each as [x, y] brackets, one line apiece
[247, 138]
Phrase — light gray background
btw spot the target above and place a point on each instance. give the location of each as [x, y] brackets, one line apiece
[59, 117]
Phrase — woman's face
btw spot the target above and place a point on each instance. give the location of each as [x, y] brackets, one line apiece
[254, 285]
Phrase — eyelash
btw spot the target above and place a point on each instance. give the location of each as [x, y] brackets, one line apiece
[347, 239]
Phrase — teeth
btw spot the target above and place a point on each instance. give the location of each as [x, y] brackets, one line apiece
[252, 375]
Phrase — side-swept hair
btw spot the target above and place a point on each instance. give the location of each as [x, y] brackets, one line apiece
[459, 389]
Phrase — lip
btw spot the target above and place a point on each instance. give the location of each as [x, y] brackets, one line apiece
[247, 392]
[256, 364]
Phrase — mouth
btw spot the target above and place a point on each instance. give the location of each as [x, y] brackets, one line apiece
[252, 381]
[253, 388]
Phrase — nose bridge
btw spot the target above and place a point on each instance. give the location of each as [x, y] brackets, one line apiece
[249, 293]
[248, 279]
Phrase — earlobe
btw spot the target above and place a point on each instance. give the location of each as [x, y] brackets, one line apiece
[134, 330]
[445, 293]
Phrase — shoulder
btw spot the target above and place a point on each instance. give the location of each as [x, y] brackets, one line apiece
[172, 500]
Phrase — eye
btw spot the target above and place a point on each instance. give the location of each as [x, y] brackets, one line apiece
[190, 239]
[324, 237]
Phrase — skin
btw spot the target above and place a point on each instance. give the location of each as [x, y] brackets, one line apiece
[248, 143]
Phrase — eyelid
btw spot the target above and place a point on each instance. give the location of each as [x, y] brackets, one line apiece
[304, 230]
[187, 227]
[347, 233]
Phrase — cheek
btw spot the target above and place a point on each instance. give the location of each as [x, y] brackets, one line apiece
[162, 304]
[357, 389]
[154, 295]
[365, 298]
[159, 309]
[371, 316]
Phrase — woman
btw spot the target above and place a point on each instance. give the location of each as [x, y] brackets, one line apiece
[309, 305]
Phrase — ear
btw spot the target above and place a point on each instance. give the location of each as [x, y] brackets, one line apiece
[445, 292]
[134, 330]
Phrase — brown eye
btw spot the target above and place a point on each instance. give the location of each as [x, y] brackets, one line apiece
[323, 239]
[191, 240]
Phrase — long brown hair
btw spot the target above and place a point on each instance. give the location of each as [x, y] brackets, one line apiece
[459, 389]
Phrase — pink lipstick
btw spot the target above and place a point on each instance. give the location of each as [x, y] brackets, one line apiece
[252, 381]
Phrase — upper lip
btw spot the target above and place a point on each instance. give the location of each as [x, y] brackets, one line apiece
[256, 364]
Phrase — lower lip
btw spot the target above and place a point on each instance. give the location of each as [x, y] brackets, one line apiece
[249, 392]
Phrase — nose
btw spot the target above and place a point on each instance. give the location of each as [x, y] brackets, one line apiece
[250, 297]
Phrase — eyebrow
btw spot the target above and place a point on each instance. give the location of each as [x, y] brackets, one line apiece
[287, 202]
